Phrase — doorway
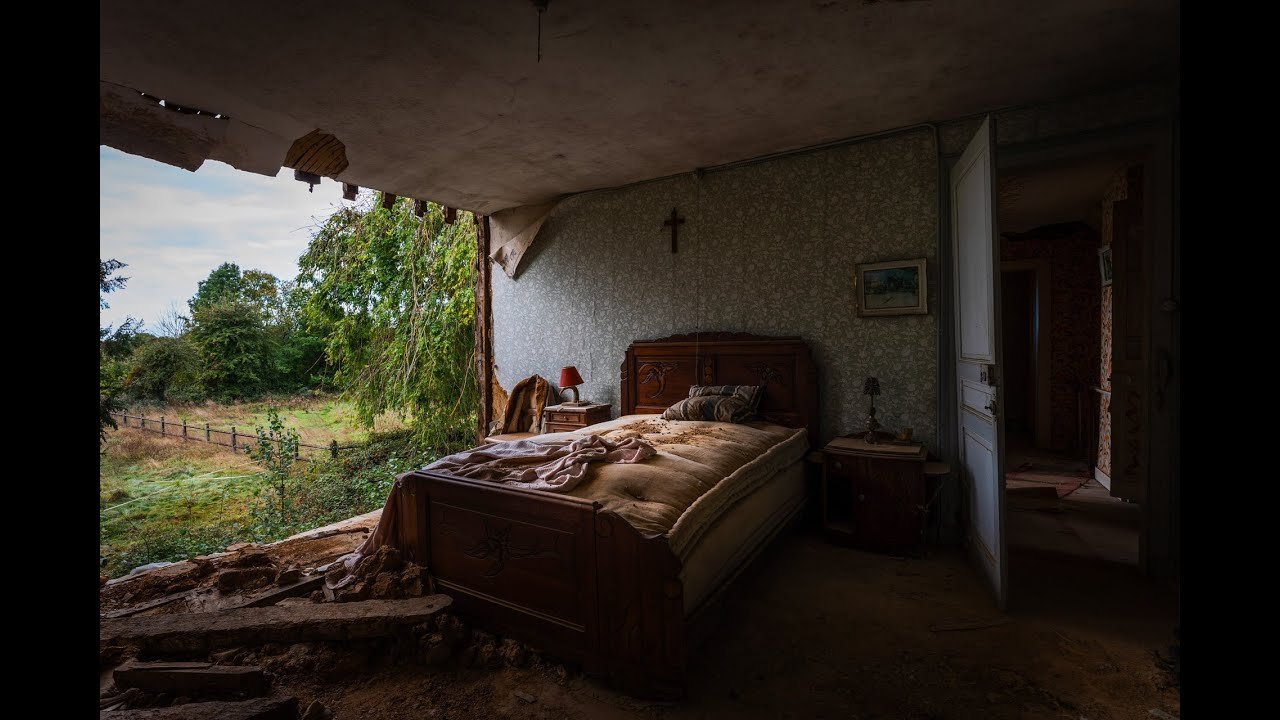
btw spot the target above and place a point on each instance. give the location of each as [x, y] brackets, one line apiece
[1031, 192]
[1056, 312]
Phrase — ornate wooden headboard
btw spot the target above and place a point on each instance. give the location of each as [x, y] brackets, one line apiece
[657, 373]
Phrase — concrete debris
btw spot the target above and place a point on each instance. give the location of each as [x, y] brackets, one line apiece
[202, 632]
[317, 711]
[513, 653]
[289, 575]
[239, 579]
[256, 709]
[526, 697]
[382, 575]
[193, 679]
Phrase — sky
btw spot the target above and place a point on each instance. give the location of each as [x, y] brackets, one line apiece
[173, 227]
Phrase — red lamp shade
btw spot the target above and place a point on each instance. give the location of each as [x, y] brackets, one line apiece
[569, 377]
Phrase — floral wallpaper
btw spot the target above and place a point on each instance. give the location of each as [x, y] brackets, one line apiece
[1117, 190]
[768, 248]
[1074, 281]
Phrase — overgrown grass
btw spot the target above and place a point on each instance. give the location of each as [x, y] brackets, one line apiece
[317, 418]
[165, 499]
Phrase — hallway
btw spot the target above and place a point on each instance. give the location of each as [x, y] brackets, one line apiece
[1055, 507]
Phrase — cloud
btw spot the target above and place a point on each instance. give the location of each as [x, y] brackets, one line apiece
[172, 226]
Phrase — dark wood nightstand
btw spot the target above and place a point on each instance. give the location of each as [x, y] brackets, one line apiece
[565, 418]
[873, 495]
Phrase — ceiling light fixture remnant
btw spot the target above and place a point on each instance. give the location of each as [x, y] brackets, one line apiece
[541, 7]
[388, 200]
[349, 191]
[311, 179]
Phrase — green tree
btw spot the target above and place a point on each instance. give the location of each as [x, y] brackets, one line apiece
[108, 376]
[223, 285]
[276, 448]
[394, 295]
[108, 283]
[235, 349]
[166, 369]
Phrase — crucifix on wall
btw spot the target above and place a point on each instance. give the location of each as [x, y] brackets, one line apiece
[674, 222]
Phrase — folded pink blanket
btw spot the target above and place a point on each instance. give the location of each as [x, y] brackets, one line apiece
[555, 466]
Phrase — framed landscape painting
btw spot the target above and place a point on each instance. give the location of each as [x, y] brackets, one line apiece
[891, 288]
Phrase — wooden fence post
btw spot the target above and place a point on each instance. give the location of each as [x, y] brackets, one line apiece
[233, 437]
[161, 424]
[142, 421]
[184, 427]
[295, 452]
[333, 449]
[207, 438]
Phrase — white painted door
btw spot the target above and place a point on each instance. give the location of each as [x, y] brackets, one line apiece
[976, 251]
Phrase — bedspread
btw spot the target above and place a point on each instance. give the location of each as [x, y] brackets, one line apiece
[552, 465]
[701, 469]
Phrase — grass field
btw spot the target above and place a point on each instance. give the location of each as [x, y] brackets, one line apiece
[167, 499]
[317, 419]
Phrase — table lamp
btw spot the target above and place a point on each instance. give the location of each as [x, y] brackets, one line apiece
[871, 388]
[570, 380]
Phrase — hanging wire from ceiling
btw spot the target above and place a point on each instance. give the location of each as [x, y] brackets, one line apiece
[541, 7]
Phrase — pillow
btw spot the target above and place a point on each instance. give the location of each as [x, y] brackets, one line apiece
[752, 394]
[720, 408]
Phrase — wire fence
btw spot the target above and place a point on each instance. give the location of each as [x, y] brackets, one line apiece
[234, 439]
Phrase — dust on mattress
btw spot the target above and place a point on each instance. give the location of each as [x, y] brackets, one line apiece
[702, 468]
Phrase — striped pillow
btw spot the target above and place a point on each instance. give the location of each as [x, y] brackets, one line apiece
[752, 394]
[720, 408]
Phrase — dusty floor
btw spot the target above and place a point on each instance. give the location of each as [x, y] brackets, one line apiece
[1086, 522]
[818, 631]
[812, 630]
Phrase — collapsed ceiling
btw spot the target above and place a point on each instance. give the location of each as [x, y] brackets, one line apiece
[449, 102]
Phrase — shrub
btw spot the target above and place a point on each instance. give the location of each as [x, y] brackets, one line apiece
[165, 370]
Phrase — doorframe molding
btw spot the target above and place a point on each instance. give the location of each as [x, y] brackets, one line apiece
[1156, 143]
[1043, 357]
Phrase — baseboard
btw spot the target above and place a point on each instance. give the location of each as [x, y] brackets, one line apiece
[1102, 478]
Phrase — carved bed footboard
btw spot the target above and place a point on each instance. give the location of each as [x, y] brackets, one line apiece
[554, 571]
[569, 578]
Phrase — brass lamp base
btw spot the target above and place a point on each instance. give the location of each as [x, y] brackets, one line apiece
[873, 426]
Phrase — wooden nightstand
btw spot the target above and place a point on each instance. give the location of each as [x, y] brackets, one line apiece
[565, 418]
[873, 495]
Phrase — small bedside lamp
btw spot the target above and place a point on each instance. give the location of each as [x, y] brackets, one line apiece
[871, 388]
[570, 380]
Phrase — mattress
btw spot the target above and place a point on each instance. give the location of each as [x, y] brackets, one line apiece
[739, 530]
[702, 471]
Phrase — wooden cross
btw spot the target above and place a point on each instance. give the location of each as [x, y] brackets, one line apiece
[674, 223]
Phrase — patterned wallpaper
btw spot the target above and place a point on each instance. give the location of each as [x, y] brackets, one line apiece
[1074, 281]
[1117, 190]
[768, 248]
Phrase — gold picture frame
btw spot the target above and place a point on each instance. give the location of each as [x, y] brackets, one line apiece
[896, 287]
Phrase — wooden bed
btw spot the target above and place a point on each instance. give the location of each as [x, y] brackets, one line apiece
[569, 578]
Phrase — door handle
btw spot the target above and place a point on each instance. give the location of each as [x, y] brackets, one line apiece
[991, 405]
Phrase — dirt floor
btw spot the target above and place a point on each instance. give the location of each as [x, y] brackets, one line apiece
[819, 631]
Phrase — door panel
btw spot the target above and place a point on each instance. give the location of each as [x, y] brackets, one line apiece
[1129, 345]
[981, 426]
